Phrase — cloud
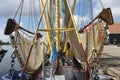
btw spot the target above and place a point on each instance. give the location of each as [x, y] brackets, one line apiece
[113, 4]
[77, 19]
[9, 7]
[80, 21]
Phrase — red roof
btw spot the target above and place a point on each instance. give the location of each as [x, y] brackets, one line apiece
[115, 28]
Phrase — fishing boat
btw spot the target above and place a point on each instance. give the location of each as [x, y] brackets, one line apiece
[54, 48]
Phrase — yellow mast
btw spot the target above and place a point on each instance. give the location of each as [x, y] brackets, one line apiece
[57, 25]
[72, 18]
[69, 25]
[46, 25]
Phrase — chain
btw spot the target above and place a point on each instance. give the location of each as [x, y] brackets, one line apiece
[16, 50]
[13, 56]
[95, 64]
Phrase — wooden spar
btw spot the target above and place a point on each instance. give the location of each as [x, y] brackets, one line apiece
[12, 26]
[35, 35]
[38, 34]
[105, 15]
[57, 25]
[82, 29]
[26, 30]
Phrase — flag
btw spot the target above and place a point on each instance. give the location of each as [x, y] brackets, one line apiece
[54, 53]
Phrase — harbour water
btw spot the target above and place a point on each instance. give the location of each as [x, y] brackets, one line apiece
[6, 62]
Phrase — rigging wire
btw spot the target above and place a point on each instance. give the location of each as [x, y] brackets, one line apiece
[32, 15]
[35, 16]
[17, 10]
[21, 11]
[86, 20]
[101, 3]
[78, 13]
[35, 9]
[84, 7]
[39, 22]
[82, 11]
[20, 6]
[29, 15]
[31, 19]
[93, 32]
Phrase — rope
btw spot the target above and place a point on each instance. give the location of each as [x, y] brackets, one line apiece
[21, 11]
[84, 13]
[78, 12]
[17, 9]
[93, 32]
[26, 34]
[32, 16]
[34, 37]
[35, 9]
[101, 3]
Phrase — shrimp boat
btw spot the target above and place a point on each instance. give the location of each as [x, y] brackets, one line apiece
[52, 47]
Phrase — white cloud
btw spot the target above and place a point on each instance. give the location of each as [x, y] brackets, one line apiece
[113, 4]
[9, 7]
[79, 20]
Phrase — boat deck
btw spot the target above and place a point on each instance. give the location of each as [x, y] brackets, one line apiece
[111, 60]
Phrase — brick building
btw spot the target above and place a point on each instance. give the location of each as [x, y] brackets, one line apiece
[114, 33]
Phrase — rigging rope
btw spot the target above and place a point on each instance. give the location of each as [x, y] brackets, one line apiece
[93, 32]
[17, 10]
[15, 43]
[26, 62]
[21, 11]
[26, 34]
[32, 19]
[101, 3]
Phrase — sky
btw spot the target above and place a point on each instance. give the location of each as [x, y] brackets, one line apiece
[9, 7]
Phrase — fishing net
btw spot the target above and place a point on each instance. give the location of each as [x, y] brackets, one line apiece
[95, 41]
[36, 57]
